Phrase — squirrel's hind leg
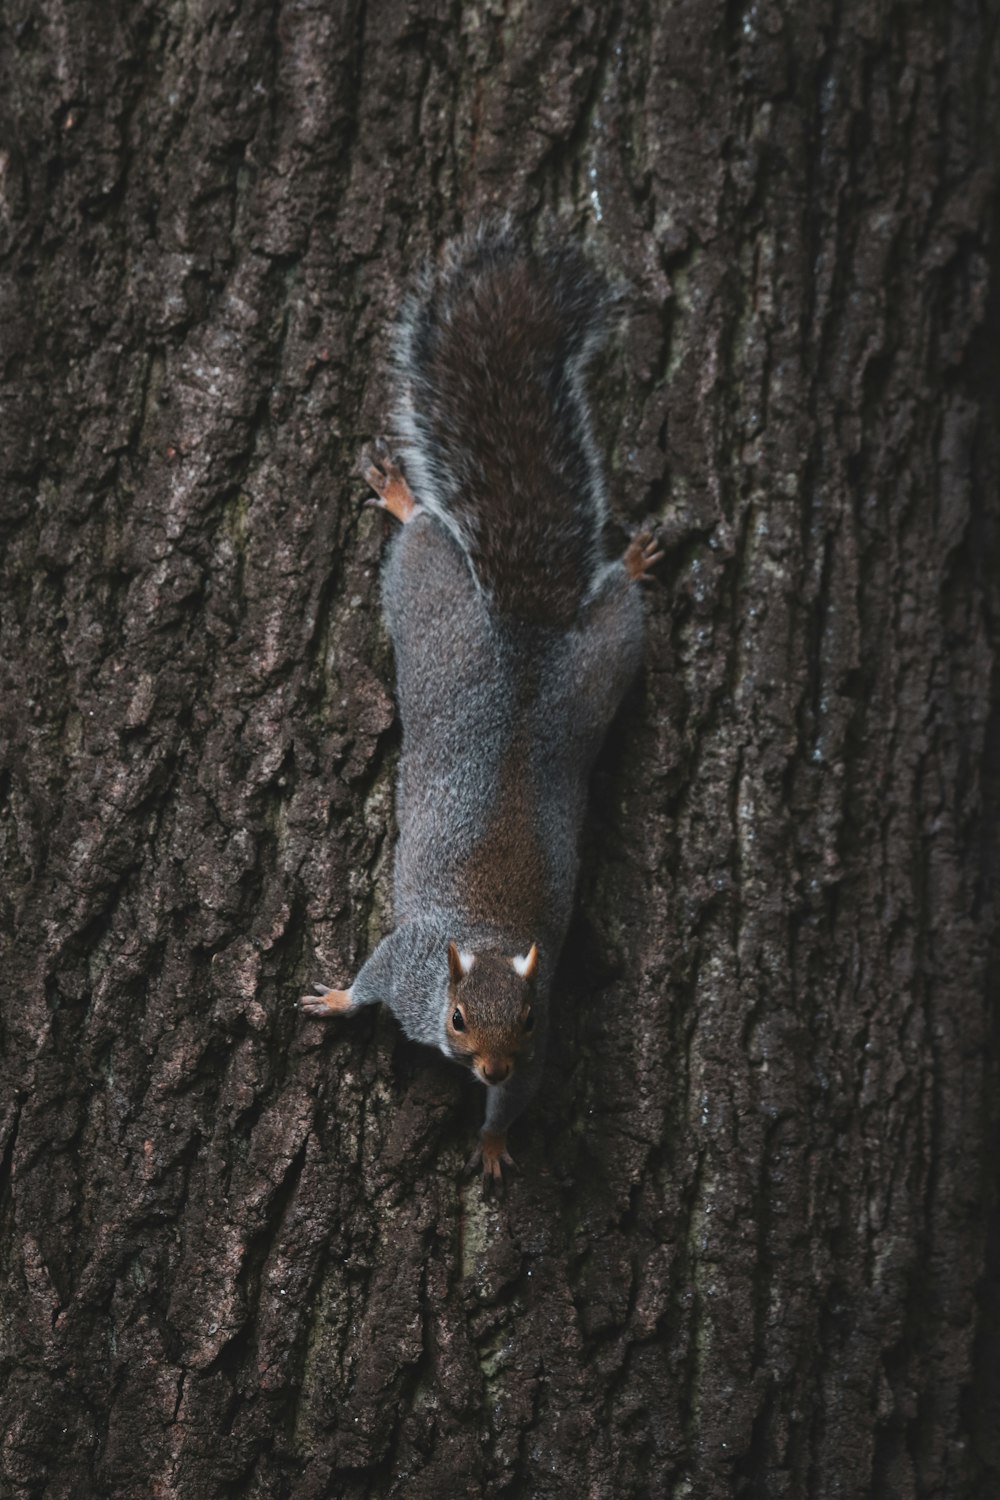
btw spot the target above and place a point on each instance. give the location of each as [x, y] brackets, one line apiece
[387, 479]
[641, 555]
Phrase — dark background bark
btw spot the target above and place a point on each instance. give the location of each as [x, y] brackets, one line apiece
[749, 1249]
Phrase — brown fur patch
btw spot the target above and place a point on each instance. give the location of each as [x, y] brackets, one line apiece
[506, 878]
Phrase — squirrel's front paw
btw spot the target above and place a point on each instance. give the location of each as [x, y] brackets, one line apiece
[327, 1002]
[641, 555]
[386, 477]
[493, 1154]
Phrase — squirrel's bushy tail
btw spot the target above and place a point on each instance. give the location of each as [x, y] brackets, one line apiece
[494, 419]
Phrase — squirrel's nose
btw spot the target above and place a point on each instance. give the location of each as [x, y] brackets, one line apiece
[495, 1071]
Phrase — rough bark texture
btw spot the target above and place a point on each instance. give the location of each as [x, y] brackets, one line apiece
[748, 1251]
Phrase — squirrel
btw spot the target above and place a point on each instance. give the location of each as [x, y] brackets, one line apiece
[515, 640]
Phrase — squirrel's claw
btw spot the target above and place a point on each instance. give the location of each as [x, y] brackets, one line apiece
[641, 555]
[492, 1152]
[385, 475]
[326, 1002]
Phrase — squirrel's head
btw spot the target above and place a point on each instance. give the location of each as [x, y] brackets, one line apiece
[490, 1018]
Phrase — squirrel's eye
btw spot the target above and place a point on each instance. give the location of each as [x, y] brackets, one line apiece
[458, 1021]
[529, 1022]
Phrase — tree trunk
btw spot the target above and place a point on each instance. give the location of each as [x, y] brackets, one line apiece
[748, 1250]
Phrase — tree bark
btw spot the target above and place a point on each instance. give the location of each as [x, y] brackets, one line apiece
[753, 1247]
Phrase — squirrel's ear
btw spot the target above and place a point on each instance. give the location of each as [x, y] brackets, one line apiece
[459, 964]
[527, 965]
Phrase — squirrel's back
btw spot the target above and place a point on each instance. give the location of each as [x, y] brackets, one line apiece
[494, 419]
